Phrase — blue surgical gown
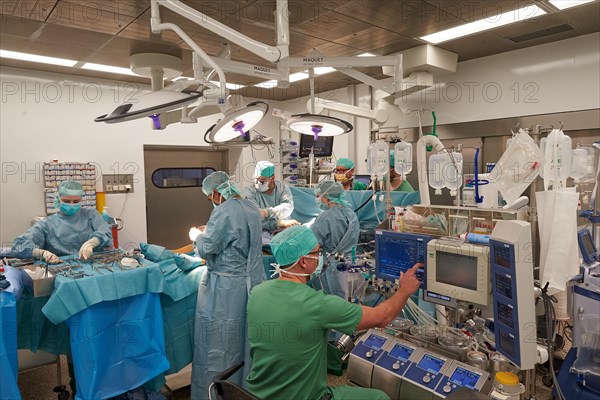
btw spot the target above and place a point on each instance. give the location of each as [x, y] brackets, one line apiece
[232, 248]
[279, 204]
[337, 229]
[63, 235]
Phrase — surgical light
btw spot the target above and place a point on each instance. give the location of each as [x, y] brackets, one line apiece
[318, 125]
[236, 123]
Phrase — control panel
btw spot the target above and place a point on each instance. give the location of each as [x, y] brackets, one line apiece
[396, 252]
[461, 375]
[427, 370]
[365, 354]
[397, 357]
[511, 268]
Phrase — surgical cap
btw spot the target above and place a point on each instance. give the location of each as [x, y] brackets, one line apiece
[228, 189]
[293, 243]
[264, 168]
[212, 181]
[332, 191]
[345, 162]
[70, 188]
[392, 159]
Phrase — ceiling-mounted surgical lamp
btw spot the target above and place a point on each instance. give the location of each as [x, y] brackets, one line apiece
[318, 125]
[236, 123]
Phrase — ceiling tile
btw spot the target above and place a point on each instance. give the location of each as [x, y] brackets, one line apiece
[38, 10]
[20, 27]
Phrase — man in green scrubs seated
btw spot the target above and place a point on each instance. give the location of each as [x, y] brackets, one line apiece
[344, 174]
[288, 343]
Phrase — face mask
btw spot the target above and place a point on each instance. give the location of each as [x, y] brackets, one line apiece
[261, 186]
[341, 178]
[314, 275]
[69, 209]
[319, 268]
[320, 204]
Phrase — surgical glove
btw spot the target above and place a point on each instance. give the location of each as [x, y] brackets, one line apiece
[87, 248]
[286, 223]
[48, 256]
[264, 213]
[194, 233]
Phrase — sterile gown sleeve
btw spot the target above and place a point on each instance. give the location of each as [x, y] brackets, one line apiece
[218, 234]
[286, 204]
[33, 238]
[101, 230]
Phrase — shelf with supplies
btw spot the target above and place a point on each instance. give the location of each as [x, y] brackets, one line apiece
[57, 172]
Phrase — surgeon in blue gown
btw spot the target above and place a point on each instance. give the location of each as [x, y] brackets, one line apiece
[231, 244]
[71, 231]
[274, 198]
[337, 229]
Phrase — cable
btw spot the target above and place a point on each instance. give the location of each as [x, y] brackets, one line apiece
[123, 209]
[550, 333]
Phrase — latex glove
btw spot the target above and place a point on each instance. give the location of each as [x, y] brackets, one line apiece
[194, 233]
[264, 213]
[286, 223]
[46, 255]
[88, 247]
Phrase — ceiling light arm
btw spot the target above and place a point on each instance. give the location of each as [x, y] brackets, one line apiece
[269, 53]
[364, 78]
[157, 27]
[324, 104]
[311, 77]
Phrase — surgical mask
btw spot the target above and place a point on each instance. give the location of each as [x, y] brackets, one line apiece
[320, 204]
[315, 274]
[319, 269]
[262, 186]
[69, 209]
[341, 178]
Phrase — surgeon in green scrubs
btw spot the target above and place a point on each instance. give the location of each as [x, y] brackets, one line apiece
[344, 174]
[288, 344]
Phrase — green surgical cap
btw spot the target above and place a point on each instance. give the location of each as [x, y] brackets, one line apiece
[264, 168]
[228, 189]
[332, 191]
[392, 159]
[293, 243]
[345, 162]
[70, 188]
[212, 181]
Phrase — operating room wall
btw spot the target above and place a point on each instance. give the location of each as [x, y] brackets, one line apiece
[46, 116]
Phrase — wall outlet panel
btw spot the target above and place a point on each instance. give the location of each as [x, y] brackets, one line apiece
[117, 183]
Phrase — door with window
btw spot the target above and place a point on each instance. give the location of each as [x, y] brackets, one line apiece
[174, 198]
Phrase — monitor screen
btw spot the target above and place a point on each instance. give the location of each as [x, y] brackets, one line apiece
[366, 179]
[431, 364]
[323, 147]
[398, 252]
[456, 270]
[507, 343]
[375, 342]
[587, 243]
[465, 378]
[400, 352]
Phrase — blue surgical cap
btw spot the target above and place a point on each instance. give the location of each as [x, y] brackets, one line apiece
[331, 190]
[345, 162]
[220, 182]
[293, 243]
[70, 188]
[264, 168]
[228, 189]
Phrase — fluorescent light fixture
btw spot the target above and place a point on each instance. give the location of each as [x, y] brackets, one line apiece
[15, 55]
[236, 123]
[324, 70]
[318, 125]
[564, 4]
[484, 24]
[267, 84]
[108, 68]
[298, 76]
[366, 55]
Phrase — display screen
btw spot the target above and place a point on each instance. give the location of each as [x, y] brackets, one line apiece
[505, 314]
[504, 285]
[502, 255]
[397, 254]
[322, 147]
[375, 342]
[456, 270]
[507, 343]
[431, 364]
[465, 378]
[401, 353]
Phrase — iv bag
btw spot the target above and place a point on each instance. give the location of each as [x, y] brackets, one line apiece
[380, 158]
[518, 167]
[453, 168]
[403, 161]
[436, 172]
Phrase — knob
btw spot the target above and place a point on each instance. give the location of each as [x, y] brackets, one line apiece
[426, 379]
[447, 389]
[369, 354]
[396, 365]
